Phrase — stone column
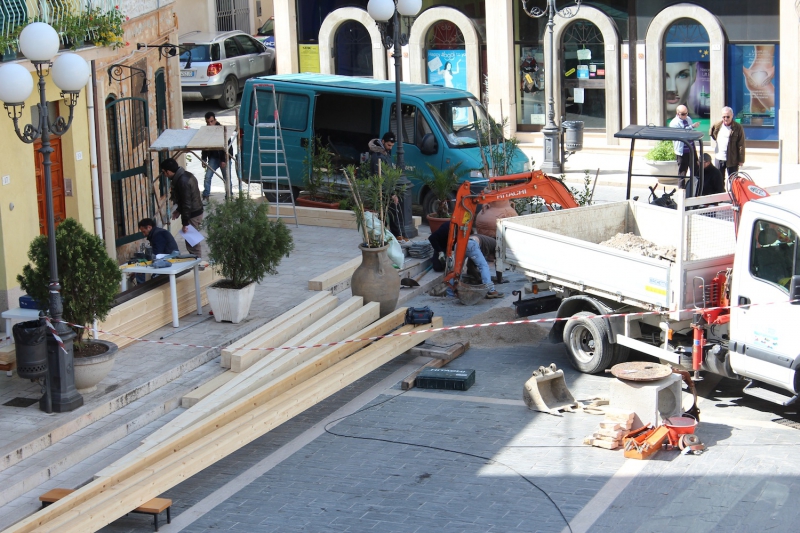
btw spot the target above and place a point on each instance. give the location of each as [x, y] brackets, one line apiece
[501, 62]
[286, 36]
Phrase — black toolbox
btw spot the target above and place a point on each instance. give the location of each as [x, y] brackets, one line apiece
[445, 378]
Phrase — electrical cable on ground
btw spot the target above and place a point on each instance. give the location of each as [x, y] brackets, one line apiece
[437, 448]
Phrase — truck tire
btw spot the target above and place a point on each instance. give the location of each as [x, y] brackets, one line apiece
[586, 342]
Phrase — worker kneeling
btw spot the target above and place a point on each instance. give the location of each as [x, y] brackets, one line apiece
[479, 247]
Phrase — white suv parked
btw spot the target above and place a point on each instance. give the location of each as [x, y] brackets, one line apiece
[221, 63]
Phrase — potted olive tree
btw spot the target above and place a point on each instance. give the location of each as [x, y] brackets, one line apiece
[661, 161]
[89, 283]
[441, 185]
[318, 170]
[375, 279]
[245, 245]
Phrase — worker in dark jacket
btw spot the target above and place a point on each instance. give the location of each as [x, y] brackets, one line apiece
[186, 197]
[214, 159]
[380, 152]
[729, 147]
[161, 241]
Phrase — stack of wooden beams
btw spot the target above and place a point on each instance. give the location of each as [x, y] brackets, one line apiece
[147, 312]
[277, 386]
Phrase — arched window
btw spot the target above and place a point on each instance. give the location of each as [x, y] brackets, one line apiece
[353, 49]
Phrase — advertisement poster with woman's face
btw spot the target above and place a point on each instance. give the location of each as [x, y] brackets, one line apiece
[753, 89]
[686, 75]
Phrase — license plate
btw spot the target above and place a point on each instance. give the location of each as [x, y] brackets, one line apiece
[187, 73]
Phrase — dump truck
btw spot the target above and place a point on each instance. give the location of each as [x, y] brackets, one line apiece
[703, 300]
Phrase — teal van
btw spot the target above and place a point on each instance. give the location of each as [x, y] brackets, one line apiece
[346, 113]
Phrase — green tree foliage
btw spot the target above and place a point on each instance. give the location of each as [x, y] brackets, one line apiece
[89, 277]
[663, 151]
[443, 182]
[373, 192]
[243, 242]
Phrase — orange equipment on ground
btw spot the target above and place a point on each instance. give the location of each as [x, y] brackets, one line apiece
[533, 184]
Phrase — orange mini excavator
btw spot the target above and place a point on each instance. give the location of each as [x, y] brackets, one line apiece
[524, 185]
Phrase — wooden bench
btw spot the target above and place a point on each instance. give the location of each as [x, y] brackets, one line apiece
[154, 507]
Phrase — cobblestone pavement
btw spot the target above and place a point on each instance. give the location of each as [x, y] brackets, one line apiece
[481, 461]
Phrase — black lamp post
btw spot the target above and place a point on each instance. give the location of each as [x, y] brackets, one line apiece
[39, 43]
[552, 138]
[382, 11]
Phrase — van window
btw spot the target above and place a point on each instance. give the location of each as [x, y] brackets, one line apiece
[773, 253]
[346, 123]
[415, 127]
[456, 119]
[292, 109]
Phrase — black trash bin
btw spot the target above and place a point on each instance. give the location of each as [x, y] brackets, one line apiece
[31, 348]
[573, 135]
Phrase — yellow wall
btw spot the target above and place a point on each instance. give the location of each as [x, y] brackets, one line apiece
[20, 225]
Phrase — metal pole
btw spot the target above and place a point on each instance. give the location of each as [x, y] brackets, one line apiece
[65, 396]
[406, 199]
[552, 150]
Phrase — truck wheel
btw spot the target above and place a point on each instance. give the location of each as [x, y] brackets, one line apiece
[586, 342]
[429, 202]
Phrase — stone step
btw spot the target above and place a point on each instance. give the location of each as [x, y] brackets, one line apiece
[92, 439]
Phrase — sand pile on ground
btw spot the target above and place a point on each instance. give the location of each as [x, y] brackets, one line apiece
[629, 242]
[509, 335]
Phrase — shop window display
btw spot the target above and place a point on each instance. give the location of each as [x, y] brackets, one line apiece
[531, 108]
[753, 89]
[583, 78]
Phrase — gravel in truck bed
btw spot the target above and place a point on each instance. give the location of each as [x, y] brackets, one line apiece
[633, 243]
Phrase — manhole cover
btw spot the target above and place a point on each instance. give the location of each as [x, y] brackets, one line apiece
[640, 371]
[21, 402]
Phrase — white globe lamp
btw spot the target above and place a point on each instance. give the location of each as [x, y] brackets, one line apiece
[380, 10]
[39, 42]
[16, 84]
[409, 8]
[70, 72]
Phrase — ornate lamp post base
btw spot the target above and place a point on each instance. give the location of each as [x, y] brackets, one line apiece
[65, 397]
[552, 150]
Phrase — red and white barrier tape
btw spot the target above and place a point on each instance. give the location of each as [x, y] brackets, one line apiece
[432, 330]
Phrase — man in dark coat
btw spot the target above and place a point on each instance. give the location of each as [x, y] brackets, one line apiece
[380, 152]
[185, 195]
[214, 159]
[729, 147]
[713, 182]
[161, 240]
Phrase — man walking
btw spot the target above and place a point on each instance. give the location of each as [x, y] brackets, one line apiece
[214, 160]
[185, 195]
[683, 151]
[729, 150]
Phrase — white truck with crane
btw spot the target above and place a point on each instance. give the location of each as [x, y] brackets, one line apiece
[722, 304]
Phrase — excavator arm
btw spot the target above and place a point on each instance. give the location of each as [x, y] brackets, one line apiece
[534, 184]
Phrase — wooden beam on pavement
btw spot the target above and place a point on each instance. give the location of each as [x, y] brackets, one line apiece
[106, 499]
[334, 276]
[299, 309]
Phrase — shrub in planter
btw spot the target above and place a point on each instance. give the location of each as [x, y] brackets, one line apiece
[663, 151]
[89, 277]
[245, 245]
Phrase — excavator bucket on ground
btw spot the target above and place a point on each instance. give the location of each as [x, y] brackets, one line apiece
[547, 391]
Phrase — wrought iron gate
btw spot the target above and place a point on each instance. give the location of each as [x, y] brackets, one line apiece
[233, 15]
[128, 142]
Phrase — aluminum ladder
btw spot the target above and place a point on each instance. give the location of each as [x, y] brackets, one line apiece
[272, 164]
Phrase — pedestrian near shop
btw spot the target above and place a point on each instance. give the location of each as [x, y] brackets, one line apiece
[729, 137]
[214, 160]
[185, 194]
[683, 151]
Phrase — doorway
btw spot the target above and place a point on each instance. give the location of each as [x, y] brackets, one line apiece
[57, 180]
[353, 50]
[583, 79]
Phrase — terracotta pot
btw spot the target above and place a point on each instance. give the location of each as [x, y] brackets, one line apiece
[434, 222]
[376, 279]
[89, 371]
[305, 201]
[230, 305]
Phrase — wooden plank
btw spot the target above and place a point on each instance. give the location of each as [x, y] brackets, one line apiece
[207, 138]
[272, 325]
[333, 327]
[207, 388]
[247, 356]
[230, 412]
[104, 500]
[334, 276]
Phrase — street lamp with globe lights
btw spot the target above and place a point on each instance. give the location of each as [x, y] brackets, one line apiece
[552, 149]
[382, 12]
[39, 43]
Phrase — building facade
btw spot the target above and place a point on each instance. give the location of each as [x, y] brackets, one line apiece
[102, 174]
[617, 62]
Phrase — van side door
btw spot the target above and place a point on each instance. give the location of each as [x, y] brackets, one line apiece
[295, 111]
[415, 127]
